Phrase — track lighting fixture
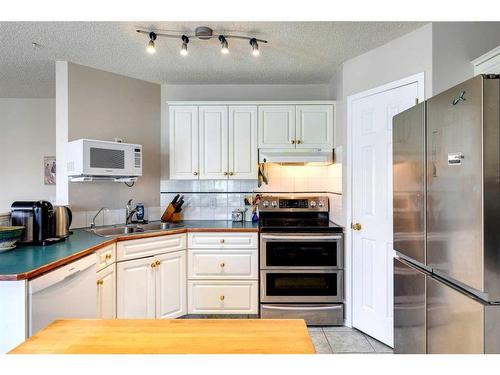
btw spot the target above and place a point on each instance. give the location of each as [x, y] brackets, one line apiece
[255, 47]
[151, 48]
[184, 48]
[223, 45]
[202, 33]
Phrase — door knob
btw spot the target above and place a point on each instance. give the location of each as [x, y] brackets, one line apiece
[356, 226]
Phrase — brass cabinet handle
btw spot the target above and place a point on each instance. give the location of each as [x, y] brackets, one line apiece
[222, 240]
[299, 141]
[222, 265]
[225, 173]
[293, 141]
[100, 282]
[231, 173]
[221, 298]
[195, 173]
[356, 226]
[153, 265]
[157, 263]
[108, 256]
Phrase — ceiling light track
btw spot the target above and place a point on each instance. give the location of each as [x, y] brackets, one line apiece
[201, 33]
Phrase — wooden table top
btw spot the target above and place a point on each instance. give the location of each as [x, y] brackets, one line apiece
[172, 336]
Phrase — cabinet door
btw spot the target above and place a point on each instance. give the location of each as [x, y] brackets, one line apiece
[171, 290]
[213, 142]
[106, 293]
[136, 289]
[243, 142]
[314, 126]
[277, 126]
[183, 141]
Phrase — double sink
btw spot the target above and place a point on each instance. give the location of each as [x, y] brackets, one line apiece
[120, 230]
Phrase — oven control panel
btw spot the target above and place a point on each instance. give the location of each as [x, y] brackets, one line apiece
[288, 203]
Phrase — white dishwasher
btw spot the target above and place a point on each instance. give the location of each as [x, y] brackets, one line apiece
[68, 292]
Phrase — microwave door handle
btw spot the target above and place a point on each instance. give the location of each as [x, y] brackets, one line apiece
[311, 238]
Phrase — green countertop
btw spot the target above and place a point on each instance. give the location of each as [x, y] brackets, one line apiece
[20, 262]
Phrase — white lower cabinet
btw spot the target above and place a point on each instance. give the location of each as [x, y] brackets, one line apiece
[106, 292]
[136, 289]
[219, 297]
[171, 278]
[223, 273]
[152, 287]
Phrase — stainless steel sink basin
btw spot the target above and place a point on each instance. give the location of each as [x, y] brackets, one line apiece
[116, 231]
[120, 230]
[159, 226]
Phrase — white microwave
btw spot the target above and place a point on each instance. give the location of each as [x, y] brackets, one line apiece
[88, 157]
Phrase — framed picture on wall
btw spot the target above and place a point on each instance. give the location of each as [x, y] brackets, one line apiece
[49, 170]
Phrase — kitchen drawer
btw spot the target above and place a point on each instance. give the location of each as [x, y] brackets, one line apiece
[223, 264]
[146, 247]
[221, 240]
[222, 297]
[106, 256]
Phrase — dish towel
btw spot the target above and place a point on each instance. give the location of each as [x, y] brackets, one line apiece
[262, 178]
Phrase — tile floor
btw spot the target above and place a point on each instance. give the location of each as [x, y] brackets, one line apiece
[344, 340]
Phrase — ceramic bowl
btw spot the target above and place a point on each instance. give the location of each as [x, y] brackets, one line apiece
[9, 236]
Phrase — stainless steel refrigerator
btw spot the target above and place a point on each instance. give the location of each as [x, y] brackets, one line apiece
[446, 202]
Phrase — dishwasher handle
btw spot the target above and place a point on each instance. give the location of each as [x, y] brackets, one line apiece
[60, 274]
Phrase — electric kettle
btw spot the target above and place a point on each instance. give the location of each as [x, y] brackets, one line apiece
[62, 221]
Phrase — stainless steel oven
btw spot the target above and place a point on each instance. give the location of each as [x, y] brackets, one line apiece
[301, 251]
[293, 285]
[301, 261]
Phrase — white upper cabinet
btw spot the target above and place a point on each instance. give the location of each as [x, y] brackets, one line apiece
[314, 126]
[243, 142]
[171, 289]
[277, 126]
[213, 142]
[183, 141]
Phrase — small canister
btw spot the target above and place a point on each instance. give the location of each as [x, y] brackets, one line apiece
[237, 215]
[140, 212]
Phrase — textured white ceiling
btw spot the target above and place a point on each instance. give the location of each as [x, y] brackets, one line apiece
[297, 52]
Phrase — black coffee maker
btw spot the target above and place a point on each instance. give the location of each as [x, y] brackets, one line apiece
[37, 217]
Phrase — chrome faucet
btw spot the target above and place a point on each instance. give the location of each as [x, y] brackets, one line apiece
[92, 223]
[129, 212]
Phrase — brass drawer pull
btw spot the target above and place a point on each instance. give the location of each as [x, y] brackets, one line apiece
[222, 265]
[222, 240]
[107, 256]
[157, 263]
[100, 282]
[221, 298]
[153, 265]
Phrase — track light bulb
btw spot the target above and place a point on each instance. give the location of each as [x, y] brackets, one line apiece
[151, 48]
[224, 48]
[184, 48]
[255, 47]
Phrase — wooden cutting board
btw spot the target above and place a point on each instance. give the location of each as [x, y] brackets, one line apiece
[175, 336]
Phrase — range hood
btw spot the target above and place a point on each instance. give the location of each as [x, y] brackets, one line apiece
[296, 157]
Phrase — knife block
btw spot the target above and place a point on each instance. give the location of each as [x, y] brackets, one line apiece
[170, 216]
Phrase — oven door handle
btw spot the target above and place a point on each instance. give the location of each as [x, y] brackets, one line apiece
[302, 238]
[290, 308]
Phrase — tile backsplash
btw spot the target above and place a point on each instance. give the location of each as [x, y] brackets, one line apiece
[215, 199]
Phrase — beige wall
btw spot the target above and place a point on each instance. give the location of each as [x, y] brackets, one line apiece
[105, 106]
[27, 129]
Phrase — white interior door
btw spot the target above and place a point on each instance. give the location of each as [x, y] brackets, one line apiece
[213, 142]
[372, 250]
